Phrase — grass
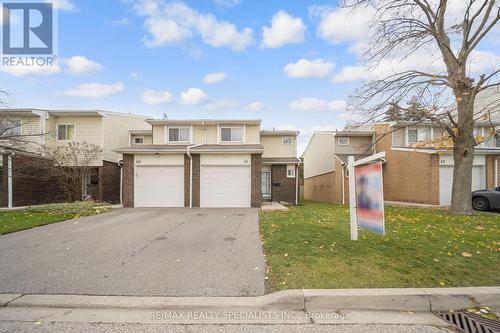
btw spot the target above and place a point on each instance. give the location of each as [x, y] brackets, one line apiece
[12, 221]
[309, 247]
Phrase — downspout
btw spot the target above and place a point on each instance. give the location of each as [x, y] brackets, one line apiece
[343, 184]
[495, 170]
[120, 164]
[297, 185]
[9, 179]
[188, 152]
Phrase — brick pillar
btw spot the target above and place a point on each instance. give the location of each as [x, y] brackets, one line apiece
[196, 180]
[128, 181]
[256, 200]
[490, 171]
[5, 186]
[187, 162]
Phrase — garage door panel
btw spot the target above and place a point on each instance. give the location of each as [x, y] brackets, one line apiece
[159, 186]
[446, 182]
[225, 186]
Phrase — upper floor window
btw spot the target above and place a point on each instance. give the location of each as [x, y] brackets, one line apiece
[65, 132]
[10, 127]
[288, 140]
[179, 134]
[231, 134]
[139, 140]
[290, 171]
[343, 141]
[418, 135]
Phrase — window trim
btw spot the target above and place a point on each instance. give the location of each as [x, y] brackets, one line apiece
[65, 124]
[290, 167]
[343, 144]
[243, 134]
[287, 137]
[167, 134]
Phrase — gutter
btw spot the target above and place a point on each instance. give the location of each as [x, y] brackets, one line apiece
[188, 152]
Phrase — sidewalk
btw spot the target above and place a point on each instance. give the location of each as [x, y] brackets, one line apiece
[299, 307]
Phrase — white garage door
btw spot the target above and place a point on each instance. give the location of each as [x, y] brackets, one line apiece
[446, 182]
[159, 186]
[225, 186]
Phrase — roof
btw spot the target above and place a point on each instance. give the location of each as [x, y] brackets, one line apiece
[281, 160]
[204, 121]
[26, 112]
[250, 148]
[354, 133]
[344, 157]
[141, 131]
[279, 132]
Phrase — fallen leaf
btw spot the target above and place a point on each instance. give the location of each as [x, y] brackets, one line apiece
[466, 254]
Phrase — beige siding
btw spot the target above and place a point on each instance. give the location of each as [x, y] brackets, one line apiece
[116, 130]
[148, 139]
[398, 137]
[253, 134]
[357, 145]
[87, 129]
[159, 134]
[319, 156]
[274, 147]
[32, 126]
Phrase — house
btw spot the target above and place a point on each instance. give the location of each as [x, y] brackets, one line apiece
[209, 163]
[30, 184]
[418, 167]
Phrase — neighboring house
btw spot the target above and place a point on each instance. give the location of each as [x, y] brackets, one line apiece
[325, 175]
[418, 167]
[30, 183]
[209, 163]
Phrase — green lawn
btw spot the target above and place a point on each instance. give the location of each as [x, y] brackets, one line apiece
[309, 247]
[41, 215]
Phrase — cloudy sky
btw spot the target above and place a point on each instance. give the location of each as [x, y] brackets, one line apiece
[290, 63]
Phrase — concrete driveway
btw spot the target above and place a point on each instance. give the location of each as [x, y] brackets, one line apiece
[169, 252]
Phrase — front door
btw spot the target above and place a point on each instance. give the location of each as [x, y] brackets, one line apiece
[266, 184]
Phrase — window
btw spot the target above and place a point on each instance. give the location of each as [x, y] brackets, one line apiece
[231, 134]
[418, 135]
[290, 171]
[179, 134]
[287, 140]
[139, 140]
[10, 126]
[343, 141]
[65, 132]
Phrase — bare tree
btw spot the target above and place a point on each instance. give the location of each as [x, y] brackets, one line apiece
[443, 35]
[12, 137]
[73, 163]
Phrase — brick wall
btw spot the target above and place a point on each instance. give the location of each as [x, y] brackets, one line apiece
[256, 195]
[128, 180]
[196, 180]
[109, 181]
[320, 188]
[283, 188]
[409, 176]
[4, 188]
[490, 170]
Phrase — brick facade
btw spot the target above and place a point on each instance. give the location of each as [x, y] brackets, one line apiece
[409, 176]
[490, 171]
[33, 182]
[196, 180]
[282, 188]
[109, 182]
[128, 180]
[256, 195]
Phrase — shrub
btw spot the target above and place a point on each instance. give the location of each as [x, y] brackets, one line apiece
[76, 209]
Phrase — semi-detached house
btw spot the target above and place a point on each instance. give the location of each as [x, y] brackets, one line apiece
[417, 167]
[209, 163]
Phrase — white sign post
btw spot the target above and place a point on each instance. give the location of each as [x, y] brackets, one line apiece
[353, 205]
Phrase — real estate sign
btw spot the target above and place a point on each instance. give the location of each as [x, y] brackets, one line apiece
[370, 197]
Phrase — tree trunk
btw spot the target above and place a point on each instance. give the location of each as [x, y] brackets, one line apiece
[463, 155]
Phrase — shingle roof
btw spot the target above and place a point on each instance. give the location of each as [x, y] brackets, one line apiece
[285, 160]
[180, 148]
[344, 157]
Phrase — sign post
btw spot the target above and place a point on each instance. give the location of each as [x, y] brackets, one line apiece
[352, 198]
[366, 195]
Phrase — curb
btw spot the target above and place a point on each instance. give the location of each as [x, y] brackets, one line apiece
[416, 300]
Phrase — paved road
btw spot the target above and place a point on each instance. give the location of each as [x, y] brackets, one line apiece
[169, 252]
[109, 328]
